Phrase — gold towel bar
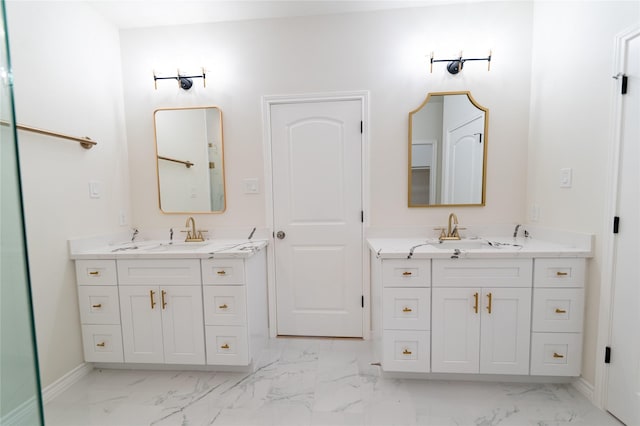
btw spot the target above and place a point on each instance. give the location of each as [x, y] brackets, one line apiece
[85, 142]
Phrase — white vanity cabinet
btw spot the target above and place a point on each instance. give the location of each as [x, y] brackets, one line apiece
[99, 310]
[481, 316]
[235, 309]
[558, 309]
[162, 316]
[406, 313]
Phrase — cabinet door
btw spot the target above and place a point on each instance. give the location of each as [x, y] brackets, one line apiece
[182, 324]
[141, 324]
[455, 330]
[505, 330]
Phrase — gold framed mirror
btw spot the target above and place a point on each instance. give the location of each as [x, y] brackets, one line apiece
[190, 159]
[448, 151]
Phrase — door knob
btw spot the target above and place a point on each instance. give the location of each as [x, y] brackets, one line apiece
[280, 235]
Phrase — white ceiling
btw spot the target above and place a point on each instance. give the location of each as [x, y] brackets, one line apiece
[148, 13]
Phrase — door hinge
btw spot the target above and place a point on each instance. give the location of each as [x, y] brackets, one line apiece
[625, 81]
[616, 224]
[362, 216]
[362, 301]
[361, 126]
[607, 355]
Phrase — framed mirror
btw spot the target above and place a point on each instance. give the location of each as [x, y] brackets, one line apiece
[190, 160]
[448, 151]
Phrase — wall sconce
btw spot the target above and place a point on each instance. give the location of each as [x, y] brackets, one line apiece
[184, 81]
[454, 66]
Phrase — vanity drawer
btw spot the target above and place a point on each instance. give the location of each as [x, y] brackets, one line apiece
[96, 272]
[102, 343]
[559, 272]
[159, 272]
[406, 308]
[406, 351]
[558, 310]
[225, 305]
[227, 345]
[406, 273]
[482, 272]
[223, 272]
[556, 354]
[99, 305]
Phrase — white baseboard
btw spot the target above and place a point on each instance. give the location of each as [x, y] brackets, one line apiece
[64, 382]
[584, 388]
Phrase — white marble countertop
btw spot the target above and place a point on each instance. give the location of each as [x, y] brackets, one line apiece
[479, 247]
[164, 249]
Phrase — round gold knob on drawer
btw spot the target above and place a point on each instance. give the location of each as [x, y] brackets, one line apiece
[407, 310]
[557, 355]
[225, 346]
[406, 352]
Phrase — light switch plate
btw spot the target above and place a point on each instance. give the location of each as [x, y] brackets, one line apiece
[94, 189]
[565, 178]
[251, 186]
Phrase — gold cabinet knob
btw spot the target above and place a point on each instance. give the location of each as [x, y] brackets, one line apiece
[223, 306]
[561, 311]
[101, 344]
[225, 346]
[406, 352]
[97, 305]
[557, 355]
[407, 309]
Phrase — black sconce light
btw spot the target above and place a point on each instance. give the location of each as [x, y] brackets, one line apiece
[454, 66]
[185, 82]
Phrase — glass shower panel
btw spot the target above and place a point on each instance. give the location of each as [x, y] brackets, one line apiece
[20, 397]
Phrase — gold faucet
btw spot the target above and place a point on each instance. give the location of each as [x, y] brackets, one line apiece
[193, 236]
[451, 233]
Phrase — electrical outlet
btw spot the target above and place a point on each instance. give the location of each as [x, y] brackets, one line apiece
[122, 218]
[251, 186]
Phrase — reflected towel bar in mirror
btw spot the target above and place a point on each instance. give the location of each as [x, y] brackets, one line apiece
[186, 163]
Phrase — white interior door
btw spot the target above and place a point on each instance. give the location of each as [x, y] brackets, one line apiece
[317, 199]
[623, 396]
[463, 162]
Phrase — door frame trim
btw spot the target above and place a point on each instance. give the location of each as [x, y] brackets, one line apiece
[267, 102]
[605, 320]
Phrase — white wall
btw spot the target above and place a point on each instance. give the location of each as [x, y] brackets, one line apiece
[384, 52]
[66, 63]
[571, 100]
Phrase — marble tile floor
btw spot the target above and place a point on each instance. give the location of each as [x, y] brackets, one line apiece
[312, 382]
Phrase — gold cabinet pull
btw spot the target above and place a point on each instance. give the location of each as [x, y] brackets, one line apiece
[557, 355]
[97, 305]
[490, 297]
[561, 274]
[94, 273]
[561, 311]
[101, 344]
[222, 272]
[407, 274]
[225, 346]
[406, 352]
[153, 302]
[223, 306]
[164, 303]
[475, 306]
[405, 309]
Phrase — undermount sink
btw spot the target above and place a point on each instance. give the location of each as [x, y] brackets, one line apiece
[461, 244]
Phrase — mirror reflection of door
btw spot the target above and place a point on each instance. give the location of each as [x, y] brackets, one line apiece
[447, 151]
[189, 150]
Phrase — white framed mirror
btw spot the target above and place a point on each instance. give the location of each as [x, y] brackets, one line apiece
[447, 151]
[190, 160]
